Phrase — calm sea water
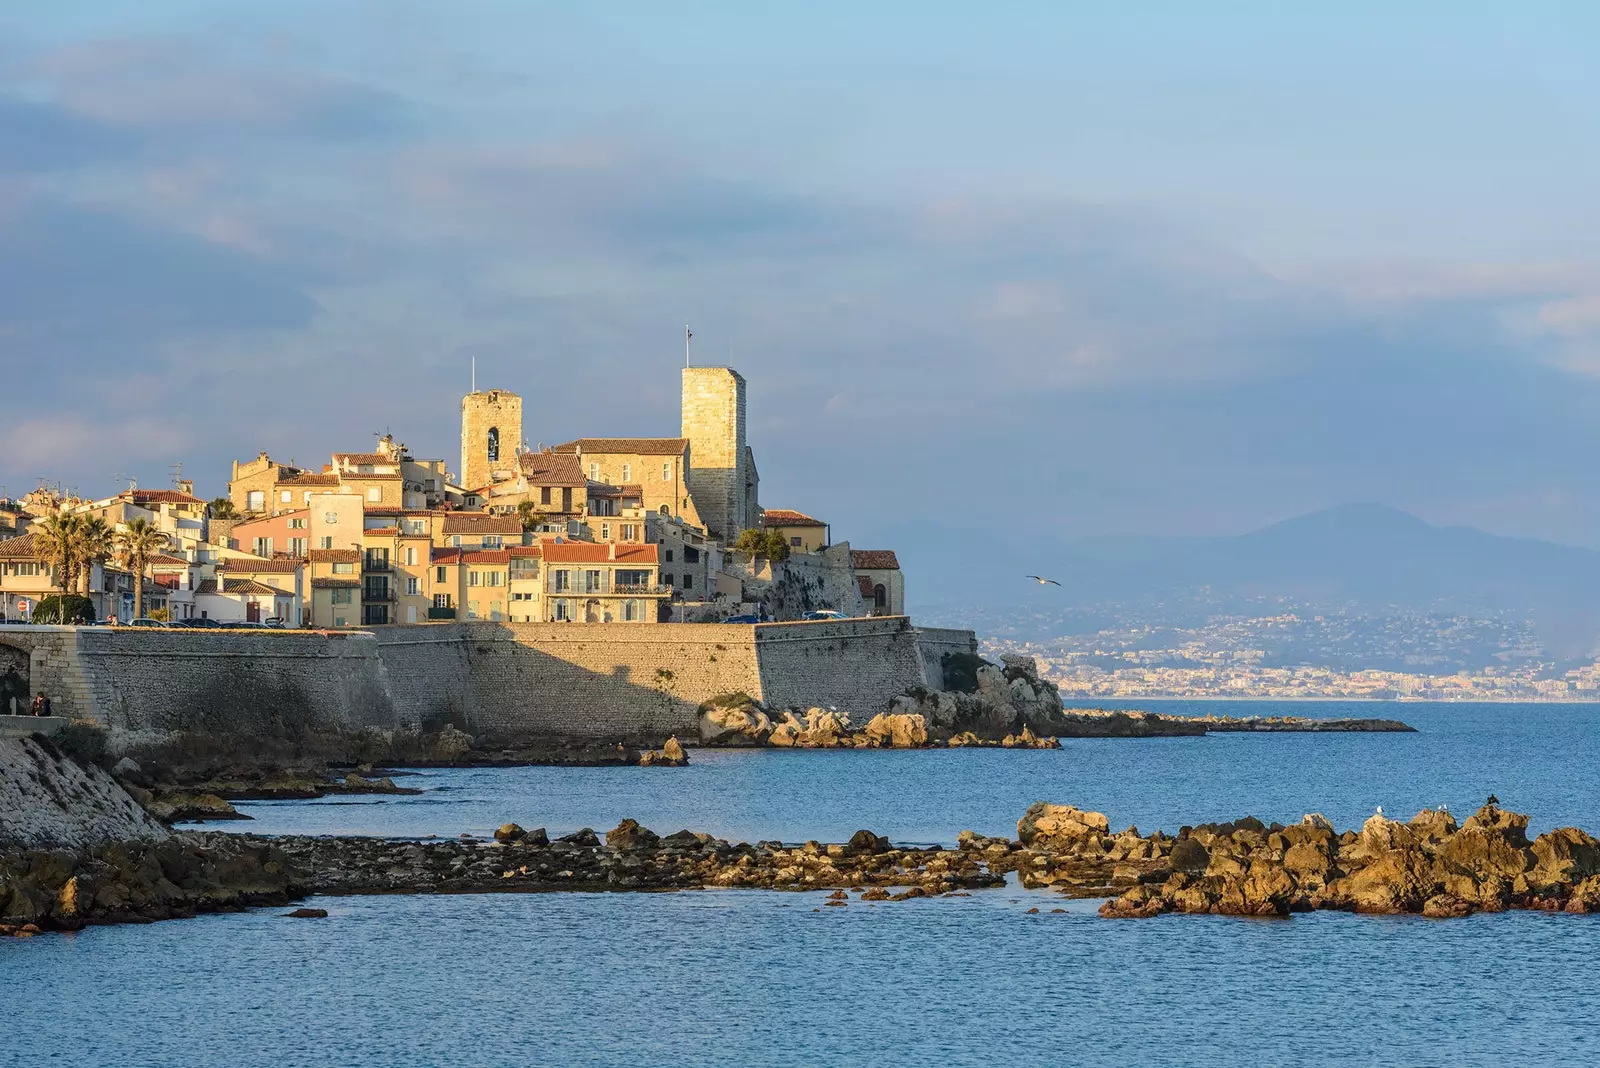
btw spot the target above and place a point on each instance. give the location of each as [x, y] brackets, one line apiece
[755, 978]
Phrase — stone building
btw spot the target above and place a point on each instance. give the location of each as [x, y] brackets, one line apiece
[883, 585]
[491, 434]
[660, 467]
[722, 479]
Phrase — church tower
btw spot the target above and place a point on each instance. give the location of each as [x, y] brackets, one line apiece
[721, 474]
[491, 431]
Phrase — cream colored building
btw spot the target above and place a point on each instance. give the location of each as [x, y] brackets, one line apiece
[883, 584]
[658, 466]
[800, 532]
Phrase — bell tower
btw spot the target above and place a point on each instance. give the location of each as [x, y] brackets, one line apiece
[491, 431]
[719, 469]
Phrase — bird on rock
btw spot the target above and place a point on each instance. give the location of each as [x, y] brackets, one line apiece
[1493, 800]
[1043, 581]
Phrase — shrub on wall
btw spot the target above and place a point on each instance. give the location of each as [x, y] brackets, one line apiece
[64, 608]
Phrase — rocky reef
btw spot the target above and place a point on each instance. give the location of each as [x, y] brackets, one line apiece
[1428, 865]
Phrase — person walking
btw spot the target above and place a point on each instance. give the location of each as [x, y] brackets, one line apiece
[41, 705]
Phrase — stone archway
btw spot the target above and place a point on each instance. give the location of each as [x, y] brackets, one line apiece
[14, 679]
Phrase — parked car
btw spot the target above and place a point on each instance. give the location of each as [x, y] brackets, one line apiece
[824, 613]
[146, 621]
[245, 624]
[198, 623]
[743, 619]
[275, 623]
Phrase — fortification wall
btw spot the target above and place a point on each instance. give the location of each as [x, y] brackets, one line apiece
[502, 681]
[934, 644]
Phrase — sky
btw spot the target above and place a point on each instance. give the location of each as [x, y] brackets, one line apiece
[1021, 272]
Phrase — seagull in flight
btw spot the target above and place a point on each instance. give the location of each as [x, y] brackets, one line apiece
[1043, 581]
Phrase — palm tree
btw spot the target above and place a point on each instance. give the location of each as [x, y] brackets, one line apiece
[140, 541]
[96, 540]
[221, 508]
[57, 538]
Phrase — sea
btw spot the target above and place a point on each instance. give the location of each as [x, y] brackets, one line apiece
[758, 978]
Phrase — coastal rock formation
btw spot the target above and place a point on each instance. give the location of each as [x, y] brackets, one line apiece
[740, 724]
[49, 800]
[670, 755]
[1427, 865]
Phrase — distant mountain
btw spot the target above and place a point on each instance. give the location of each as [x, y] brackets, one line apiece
[1365, 558]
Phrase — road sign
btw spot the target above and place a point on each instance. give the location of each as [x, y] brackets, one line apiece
[22, 604]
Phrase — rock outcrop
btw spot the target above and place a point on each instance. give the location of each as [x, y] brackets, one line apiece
[48, 800]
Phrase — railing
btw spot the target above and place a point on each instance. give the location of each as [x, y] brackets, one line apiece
[378, 593]
[642, 588]
[376, 564]
[441, 613]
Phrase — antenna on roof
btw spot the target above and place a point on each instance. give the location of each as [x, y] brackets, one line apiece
[177, 472]
[474, 374]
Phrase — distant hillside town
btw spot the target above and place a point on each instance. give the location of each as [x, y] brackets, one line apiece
[595, 530]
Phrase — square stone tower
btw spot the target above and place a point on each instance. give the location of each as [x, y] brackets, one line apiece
[721, 475]
[491, 431]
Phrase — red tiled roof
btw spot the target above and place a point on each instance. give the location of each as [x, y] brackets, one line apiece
[374, 458]
[551, 469]
[382, 532]
[446, 554]
[23, 548]
[335, 556]
[874, 560]
[206, 586]
[523, 552]
[783, 517]
[334, 583]
[481, 523]
[161, 496]
[287, 565]
[163, 560]
[310, 480]
[252, 586]
[865, 584]
[588, 552]
[627, 446]
[487, 556]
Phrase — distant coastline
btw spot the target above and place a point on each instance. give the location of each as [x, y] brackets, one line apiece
[1082, 699]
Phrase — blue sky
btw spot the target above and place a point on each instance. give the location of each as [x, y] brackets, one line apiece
[1076, 268]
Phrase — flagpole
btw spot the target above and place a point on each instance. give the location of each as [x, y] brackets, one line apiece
[687, 334]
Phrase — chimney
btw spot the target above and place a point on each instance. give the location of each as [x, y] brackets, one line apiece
[186, 485]
[611, 547]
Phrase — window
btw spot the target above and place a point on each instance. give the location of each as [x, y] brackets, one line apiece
[411, 587]
[669, 556]
[605, 531]
[472, 609]
[666, 580]
[563, 611]
[563, 581]
[795, 542]
[374, 493]
[494, 578]
[378, 559]
[491, 541]
[255, 501]
[287, 496]
[474, 578]
[544, 494]
[493, 450]
[627, 472]
[262, 547]
[688, 581]
[665, 510]
[455, 539]
[441, 600]
[411, 556]
[338, 621]
[630, 611]
[494, 610]
[594, 472]
[341, 596]
[297, 524]
[566, 499]
[628, 531]
[344, 569]
[413, 526]
[27, 568]
[592, 582]
[691, 555]
[325, 542]
[438, 574]
[297, 546]
[666, 471]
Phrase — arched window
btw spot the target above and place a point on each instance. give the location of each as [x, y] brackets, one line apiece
[880, 597]
[494, 443]
[665, 510]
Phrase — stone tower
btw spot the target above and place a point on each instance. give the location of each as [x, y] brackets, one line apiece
[491, 431]
[722, 477]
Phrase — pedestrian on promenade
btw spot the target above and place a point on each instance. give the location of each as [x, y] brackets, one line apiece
[41, 705]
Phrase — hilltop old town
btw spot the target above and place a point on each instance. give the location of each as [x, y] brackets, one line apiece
[595, 530]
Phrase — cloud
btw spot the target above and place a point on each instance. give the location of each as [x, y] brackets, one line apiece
[40, 136]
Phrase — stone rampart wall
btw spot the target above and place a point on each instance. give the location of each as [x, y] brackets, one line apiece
[935, 643]
[498, 680]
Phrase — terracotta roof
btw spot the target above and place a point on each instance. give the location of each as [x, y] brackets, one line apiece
[163, 560]
[382, 532]
[783, 517]
[252, 586]
[286, 565]
[487, 556]
[481, 523]
[162, 496]
[334, 583]
[865, 585]
[874, 560]
[551, 469]
[23, 548]
[523, 552]
[627, 446]
[364, 458]
[588, 552]
[368, 476]
[335, 556]
[206, 586]
[445, 554]
[310, 480]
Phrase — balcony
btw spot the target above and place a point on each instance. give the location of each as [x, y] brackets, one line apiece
[641, 589]
[376, 563]
[441, 613]
[373, 591]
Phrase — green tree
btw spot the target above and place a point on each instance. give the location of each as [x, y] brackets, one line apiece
[528, 515]
[96, 542]
[221, 508]
[136, 545]
[70, 608]
[768, 543]
[57, 540]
